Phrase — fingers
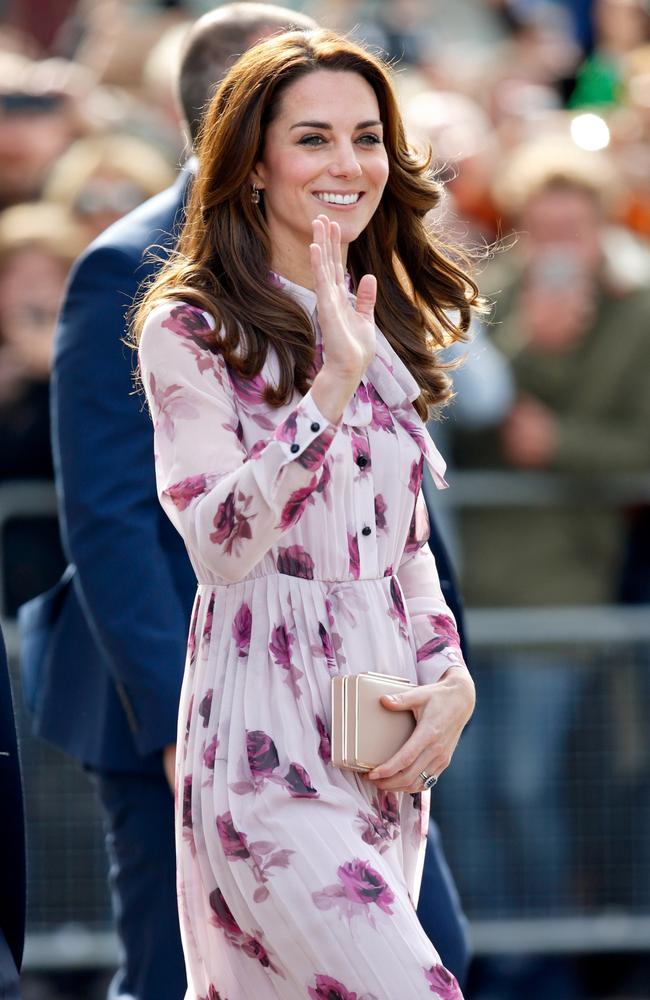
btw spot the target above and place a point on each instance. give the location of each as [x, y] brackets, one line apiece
[339, 270]
[367, 296]
[327, 235]
[410, 779]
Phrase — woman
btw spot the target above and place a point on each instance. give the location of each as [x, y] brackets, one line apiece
[290, 450]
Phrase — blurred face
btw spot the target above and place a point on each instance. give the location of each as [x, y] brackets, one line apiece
[564, 225]
[31, 286]
[32, 136]
[323, 154]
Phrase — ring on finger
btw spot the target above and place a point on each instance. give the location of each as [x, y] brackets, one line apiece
[428, 780]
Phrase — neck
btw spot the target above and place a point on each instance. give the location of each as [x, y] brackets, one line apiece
[294, 263]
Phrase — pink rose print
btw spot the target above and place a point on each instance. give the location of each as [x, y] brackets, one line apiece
[232, 523]
[397, 612]
[442, 984]
[359, 886]
[353, 552]
[233, 843]
[295, 561]
[182, 493]
[187, 802]
[250, 394]
[213, 994]
[380, 512]
[324, 481]
[287, 430]
[412, 543]
[261, 752]
[188, 321]
[242, 627]
[446, 635]
[295, 505]
[254, 949]
[170, 405]
[381, 415]
[207, 625]
[210, 753]
[299, 783]
[280, 647]
[206, 706]
[258, 448]
[329, 989]
[382, 825]
[324, 742]
[187, 820]
[260, 856]
[365, 885]
[222, 916]
[415, 480]
[313, 455]
[325, 648]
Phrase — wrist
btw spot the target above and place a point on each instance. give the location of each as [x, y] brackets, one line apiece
[331, 391]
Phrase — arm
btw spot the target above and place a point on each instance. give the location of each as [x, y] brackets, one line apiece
[109, 512]
[230, 507]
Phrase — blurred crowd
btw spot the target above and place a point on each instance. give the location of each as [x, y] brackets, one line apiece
[538, 117]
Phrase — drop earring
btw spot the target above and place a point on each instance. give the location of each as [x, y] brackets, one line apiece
[255, 195]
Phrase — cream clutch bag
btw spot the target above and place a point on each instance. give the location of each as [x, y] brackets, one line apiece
[364, 733]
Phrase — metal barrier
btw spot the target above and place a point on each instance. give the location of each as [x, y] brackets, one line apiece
[602, 789]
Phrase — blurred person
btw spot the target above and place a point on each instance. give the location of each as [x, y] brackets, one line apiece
[100, 178]
[38, 244]
[464, 147]
[280, 134]
[118, 656]
[620, 27]
[575, 333]
[41, 113]
[12, 843]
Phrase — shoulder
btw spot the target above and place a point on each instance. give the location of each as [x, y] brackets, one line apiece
[174, 323]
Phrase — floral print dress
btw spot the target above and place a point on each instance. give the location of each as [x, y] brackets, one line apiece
[296, 880]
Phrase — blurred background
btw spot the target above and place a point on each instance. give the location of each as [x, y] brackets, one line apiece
[538, 114]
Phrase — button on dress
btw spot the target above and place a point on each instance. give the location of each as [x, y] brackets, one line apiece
[296, 880]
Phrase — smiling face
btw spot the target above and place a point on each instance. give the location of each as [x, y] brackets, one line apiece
[323, 154]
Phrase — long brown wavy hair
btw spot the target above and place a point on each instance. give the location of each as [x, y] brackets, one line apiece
[222, 261]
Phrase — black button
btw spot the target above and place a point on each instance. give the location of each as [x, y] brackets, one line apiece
[315, 427]
[362, 461]
[366, 530]
[295, 448]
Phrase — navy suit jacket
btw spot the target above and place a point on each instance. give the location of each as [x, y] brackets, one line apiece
[12, 844]
[103, 652]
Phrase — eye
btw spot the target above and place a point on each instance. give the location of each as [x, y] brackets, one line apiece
[370, 139]
[311, 140]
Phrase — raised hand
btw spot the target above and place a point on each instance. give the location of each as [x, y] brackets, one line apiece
[348, 332]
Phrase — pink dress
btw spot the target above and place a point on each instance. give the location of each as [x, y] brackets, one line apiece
[296, 880]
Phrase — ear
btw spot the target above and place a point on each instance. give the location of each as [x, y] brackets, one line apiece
[258, 175]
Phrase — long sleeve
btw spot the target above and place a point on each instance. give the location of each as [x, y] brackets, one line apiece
[230, 507]
[436, 637]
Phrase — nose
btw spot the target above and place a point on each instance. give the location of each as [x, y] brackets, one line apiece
[345, 162]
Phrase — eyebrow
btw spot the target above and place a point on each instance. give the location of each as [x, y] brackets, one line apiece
[327, 126]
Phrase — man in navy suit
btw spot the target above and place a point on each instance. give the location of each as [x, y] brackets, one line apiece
[12, 844]
[103, 652]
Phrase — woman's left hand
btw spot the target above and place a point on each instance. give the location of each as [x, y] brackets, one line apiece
[442, 711]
